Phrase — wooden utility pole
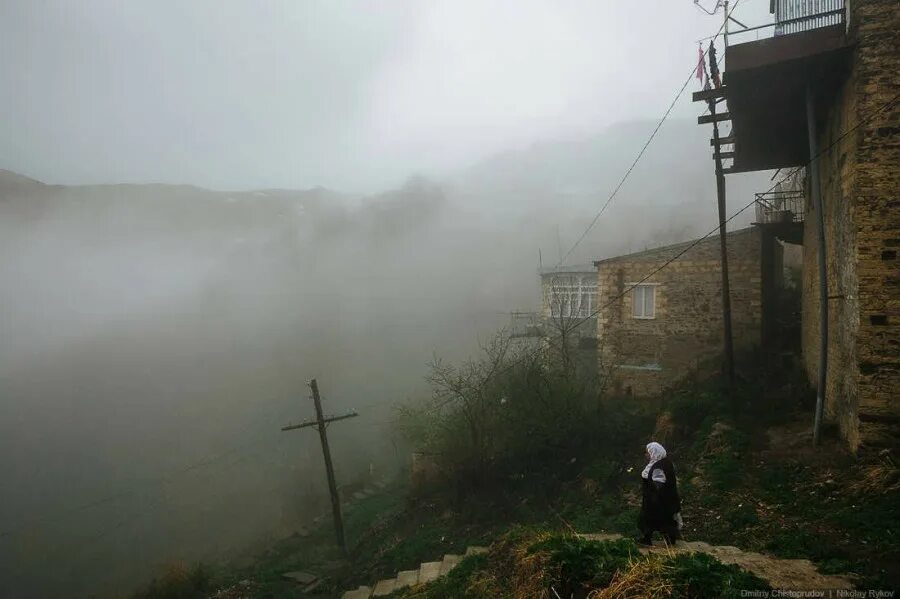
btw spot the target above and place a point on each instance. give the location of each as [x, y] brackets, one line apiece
[723, 247]
[713, 96]
[321, 422]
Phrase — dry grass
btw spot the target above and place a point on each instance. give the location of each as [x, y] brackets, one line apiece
[877, 479]
[514, 570]
[646, 578]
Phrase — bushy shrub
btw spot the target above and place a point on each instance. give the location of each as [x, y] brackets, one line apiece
[690, 407]
[492, 419]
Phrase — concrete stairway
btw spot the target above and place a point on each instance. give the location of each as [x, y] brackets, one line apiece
[427, 572]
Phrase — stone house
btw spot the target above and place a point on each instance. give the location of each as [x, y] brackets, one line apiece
[568, 306]
[821, 90]
[653, 332]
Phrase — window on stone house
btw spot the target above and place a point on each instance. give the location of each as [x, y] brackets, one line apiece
[643, 304]
[573, 296]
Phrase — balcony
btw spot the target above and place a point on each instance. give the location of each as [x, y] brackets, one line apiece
[524, 325]
[793, 16]
[782, 210]
[780, 207]
[768, 71]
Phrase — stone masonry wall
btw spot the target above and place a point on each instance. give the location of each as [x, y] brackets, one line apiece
[837, 180]
[860, 178]
[648, 355]
[877, 214]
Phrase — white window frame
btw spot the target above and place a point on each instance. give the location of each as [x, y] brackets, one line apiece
[572, 296]
[640, 292]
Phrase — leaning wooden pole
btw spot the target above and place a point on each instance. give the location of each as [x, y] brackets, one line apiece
[320, 423]
[329, 469]
[723, 246]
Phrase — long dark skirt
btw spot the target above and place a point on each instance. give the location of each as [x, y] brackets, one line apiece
[651, 520]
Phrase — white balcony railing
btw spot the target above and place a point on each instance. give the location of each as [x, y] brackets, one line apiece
[795, 16]
[792, 16]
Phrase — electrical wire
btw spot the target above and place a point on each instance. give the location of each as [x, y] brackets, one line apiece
[214, 458]
[645, 146]
[688, 248]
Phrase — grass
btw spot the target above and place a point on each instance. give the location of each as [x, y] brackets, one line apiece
[698, 576]
[453, 585]
[576, 562]
[529, 563]
[840, 514]
[741, 488]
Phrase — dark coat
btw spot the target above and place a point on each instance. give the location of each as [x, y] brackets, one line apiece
[660, 501]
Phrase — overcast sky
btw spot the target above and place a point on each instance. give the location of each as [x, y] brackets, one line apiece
[354, 96]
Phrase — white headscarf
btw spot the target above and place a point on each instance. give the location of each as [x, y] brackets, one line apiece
[657, 452]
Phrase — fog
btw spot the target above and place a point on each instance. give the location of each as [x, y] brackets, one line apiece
[156, 336]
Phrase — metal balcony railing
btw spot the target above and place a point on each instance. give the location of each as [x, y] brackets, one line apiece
[793, 16]
[525, 324]
[780, 207]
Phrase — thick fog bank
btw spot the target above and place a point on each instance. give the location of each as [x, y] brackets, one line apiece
[156, 338]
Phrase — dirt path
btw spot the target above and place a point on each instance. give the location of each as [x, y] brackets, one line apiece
[780, 573]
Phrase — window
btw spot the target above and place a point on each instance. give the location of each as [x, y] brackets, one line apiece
[644, 301]
[573, 296]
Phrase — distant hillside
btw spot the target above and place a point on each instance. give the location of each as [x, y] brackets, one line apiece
[146, 324]
[668, 197]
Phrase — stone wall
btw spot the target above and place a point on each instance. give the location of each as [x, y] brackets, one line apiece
[644, 356]
[860, 178]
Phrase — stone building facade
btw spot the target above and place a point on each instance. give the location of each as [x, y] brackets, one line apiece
[656, 333]
[858, 130]
[823, 94]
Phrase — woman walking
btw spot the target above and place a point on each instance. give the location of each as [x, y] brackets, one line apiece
[660, 503]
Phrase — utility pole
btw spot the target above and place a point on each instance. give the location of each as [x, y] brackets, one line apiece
[713, 96]
[723, 248]
[321, 422]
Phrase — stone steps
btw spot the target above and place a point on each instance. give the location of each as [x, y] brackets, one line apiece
[427, 572]
[780, 573]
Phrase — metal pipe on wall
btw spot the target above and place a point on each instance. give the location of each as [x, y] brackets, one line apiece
[822, 258]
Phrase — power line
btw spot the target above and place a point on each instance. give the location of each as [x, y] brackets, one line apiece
[215, 458]
[646, 144]
[689, 247]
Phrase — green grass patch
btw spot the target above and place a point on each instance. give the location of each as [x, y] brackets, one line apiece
[577, 562]
[701, 576]
[741, 516]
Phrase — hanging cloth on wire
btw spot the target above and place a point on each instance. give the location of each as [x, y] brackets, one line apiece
[701, 66]
[714, 65]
